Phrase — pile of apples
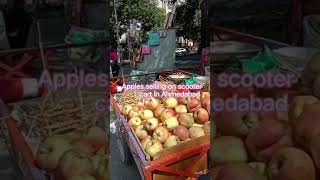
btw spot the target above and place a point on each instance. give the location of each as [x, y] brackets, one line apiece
[161, 124]
[75, 156]
[268, 146]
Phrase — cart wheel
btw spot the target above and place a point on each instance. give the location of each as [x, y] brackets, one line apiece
[125, 155]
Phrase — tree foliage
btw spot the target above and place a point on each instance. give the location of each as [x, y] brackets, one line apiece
[144, 11]
[188, 20]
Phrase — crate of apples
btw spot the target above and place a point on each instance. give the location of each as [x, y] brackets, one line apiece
[163, 123]
[268, 146]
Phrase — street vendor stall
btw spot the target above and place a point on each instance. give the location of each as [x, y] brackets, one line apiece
[159, 150]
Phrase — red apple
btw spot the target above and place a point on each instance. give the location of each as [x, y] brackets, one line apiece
[166, 113]
[184, 100]
[158, 110]
[228, 149]
[236, 123]
[201, 115]
[267, 138]
[314, 149]
[291, 164]
[151, 124]
[205, 103]
[193, 105]
[181, 109]
[151, 104]
[186, 120]
[160, 134]
[182, 132]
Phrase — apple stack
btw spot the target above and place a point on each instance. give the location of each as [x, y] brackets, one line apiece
[162, 123]
[74, 156]
[268, 146]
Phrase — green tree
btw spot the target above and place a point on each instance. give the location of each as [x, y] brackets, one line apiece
[188, 21]
[144, 11]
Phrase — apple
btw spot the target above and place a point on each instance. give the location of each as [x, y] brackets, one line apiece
[228, 149]
[314, 149]
[96, 132]
[260, 167]
[140, 105]
[146, 114]
[135, 122]
[186, 120]
[170, 102]
[141, 132]
[151, 124]
[160, 134]
[236, 123]
[298, 104]
[50, 152]
[201, 115]
[182, 132]
[205, 103]
[171, 141]
[166, 113]
[270, 136]
[98, 162]
[145, 141]
[184, 100]
[151, 104]
[84, 146]
[74, 163]
[153, 147]
[307, 125]
[196, 132]
[125, 109]
[158, 110]
[206, 128]
[238, 172]
[181, 109]
[82, 177]
[171, 123]
[132, 113]
[204, 95]
[193, 105]
[136, 108]
[291, 164]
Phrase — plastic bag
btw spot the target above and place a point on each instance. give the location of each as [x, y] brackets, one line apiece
[263, 62]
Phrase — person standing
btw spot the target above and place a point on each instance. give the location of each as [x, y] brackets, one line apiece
[114, 60]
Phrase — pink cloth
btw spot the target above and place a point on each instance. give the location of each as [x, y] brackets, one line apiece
[114, 56]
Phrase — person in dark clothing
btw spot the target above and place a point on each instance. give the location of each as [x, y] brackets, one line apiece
[17, 22]
[114, 60]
